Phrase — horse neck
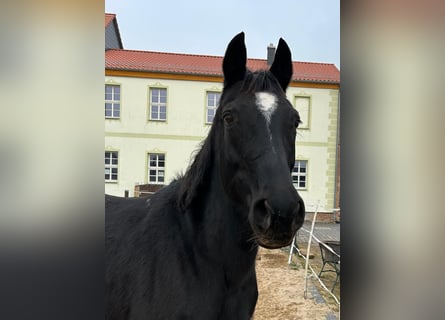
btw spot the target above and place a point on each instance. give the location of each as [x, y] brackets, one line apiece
[227, 218]
[219, 221]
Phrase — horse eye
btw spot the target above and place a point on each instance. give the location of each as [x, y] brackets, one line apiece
[228, 118]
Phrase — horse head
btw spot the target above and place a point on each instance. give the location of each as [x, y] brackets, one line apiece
[256, 142]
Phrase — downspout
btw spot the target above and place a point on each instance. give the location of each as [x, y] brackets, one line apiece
[337, 156]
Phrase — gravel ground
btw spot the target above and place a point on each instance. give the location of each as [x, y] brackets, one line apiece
[281, 291]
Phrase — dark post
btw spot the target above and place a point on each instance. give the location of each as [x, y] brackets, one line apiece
[126, 193]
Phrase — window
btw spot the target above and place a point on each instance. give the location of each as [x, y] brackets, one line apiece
[156, 168]
[302, 104]
[299, 174]
[158, 104]
[212, 104]
[112, 101]
[111, 161]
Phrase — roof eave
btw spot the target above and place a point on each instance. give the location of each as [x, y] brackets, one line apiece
[209, 74]
[166, 72]
[317, 81]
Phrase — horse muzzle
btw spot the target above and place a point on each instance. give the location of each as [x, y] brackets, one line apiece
[275, 223]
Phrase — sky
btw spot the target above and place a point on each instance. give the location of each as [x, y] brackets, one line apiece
[311, 28]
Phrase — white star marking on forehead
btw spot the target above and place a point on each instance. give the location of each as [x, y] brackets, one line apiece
[266, 103]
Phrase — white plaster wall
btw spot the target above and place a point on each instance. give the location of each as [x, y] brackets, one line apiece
[133, 163]
[319, 110]
[186, 102]
[133, 135]
[316, 177]
[311, 145]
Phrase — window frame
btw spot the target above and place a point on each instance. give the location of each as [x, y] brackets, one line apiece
[298, 174]
[157, 168]
[306, 123]
[111, 166]
[208, 108]
[113, 101]
[159, 104]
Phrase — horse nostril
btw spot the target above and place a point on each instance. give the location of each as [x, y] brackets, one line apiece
[262, 214]
[299, 214]
[268, 207]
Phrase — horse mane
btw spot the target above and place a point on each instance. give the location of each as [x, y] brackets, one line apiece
[197, 177]
[197, 174]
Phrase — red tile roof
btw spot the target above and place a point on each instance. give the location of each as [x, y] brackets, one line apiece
[108, 18]
[132, 60]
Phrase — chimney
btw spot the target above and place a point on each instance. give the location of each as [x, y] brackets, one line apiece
[270, 54]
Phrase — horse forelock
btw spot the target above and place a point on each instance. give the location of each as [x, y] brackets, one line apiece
[261, 80]
[253, 82]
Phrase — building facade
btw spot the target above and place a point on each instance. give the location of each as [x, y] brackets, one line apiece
[159, 108]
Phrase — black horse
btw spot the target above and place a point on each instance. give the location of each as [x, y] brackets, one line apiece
[189, 251]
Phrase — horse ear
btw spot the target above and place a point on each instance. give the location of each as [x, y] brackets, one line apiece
[234, 62]
[282, 65]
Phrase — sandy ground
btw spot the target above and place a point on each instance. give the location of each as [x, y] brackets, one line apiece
[281, 290]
